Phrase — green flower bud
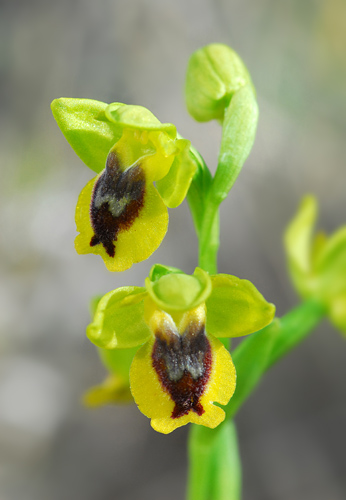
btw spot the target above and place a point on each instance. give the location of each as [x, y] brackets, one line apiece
[130, 149]
[214, 74]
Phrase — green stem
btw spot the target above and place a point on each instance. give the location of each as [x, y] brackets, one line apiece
[207, 224]
[227, 464]
[209, 240]
[214, 471]
[294, 327]
[200, 470]
[258, 352]
[215, 468]
[213, 453]
[205, 214]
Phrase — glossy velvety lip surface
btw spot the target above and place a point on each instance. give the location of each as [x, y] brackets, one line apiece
[183, 364]
[181, 371]
[116, 202]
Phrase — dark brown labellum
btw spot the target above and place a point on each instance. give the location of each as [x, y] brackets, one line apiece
[116, 202]
[183, 364]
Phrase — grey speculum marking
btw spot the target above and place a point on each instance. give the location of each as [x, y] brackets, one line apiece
[116, 202]
[183, 364]
[183, 353]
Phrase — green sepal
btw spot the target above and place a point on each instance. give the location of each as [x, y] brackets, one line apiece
[214, 73]
[330, 267]
[331, 271]
[175, 185]
[159, 270]
[118, 361]
[235, 307]
[137, 117]
[238, 136]
[119, 319]
[116, 386]
[298, 245]
[337, 311]
[87, 129]
[330, 264]
[180, 292]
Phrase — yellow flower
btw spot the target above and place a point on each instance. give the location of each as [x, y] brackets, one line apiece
[317, 263]
[182, 369]
[120, 214]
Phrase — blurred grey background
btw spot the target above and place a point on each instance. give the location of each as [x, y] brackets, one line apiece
[292, 431]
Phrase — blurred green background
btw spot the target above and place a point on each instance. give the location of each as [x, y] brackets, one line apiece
[292, 431]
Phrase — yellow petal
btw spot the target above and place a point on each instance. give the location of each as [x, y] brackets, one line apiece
[154, 151]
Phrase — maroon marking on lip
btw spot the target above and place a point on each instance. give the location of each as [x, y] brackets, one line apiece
[183, 364]
[116, 185]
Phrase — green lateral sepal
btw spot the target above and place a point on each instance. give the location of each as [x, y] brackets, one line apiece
[119, 319]
[87, 129]
[298, 245]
